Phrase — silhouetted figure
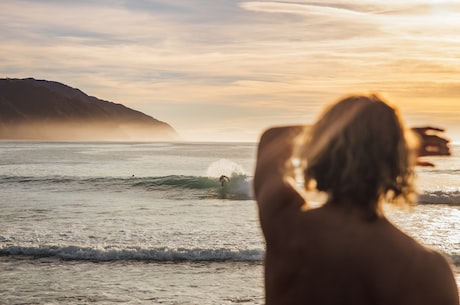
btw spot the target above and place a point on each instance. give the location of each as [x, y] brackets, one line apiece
[223, 180]
[346, 252]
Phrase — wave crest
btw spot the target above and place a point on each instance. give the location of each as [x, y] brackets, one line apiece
[162, 254]
[440, 197]
[238, 188]
[138, 254]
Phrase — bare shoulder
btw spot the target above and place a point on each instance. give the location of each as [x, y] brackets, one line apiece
[435, 281]
[428, 277]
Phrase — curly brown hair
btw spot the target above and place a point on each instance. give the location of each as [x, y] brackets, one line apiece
[359, 152]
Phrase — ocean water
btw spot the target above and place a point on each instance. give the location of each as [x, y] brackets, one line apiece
[149, 223]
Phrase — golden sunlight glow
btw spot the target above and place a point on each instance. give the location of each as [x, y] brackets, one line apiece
[230, 70]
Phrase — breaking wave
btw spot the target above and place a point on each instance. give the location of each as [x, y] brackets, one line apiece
[161, 254]
[440, 197]
[238, 188]
[134, 254]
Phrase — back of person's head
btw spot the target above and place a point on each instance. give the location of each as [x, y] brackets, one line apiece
[358, 153]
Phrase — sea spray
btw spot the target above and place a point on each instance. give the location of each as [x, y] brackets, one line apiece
[224, 167]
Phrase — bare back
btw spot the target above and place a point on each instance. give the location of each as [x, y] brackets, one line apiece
[334, 254]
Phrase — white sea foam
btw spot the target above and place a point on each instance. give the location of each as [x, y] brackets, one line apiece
[135, 253]
[224, 167]
[440, 197]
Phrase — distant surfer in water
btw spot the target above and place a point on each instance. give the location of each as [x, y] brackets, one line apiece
[223, 180]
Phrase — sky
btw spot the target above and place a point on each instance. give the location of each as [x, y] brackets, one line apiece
[225, 70]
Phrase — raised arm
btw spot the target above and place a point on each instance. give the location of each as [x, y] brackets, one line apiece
[274, 184]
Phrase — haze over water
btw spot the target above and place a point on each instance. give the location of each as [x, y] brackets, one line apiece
[225, 70]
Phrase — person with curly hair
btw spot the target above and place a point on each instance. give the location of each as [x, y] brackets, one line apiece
[346, 251]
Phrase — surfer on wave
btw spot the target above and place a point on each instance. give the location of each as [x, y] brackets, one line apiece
[223, 180]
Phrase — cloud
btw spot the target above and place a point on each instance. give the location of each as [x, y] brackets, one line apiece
[307, 9]
[198, 64]
[345, 8]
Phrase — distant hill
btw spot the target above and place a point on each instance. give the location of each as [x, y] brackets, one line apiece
[46, 110]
